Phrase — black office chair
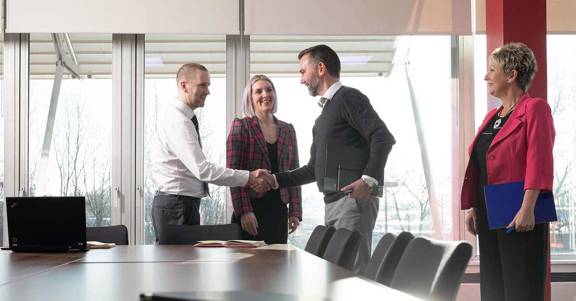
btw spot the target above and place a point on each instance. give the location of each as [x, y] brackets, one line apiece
[388, 263]
[184, 234]
[319, 239]
[117, 234]
[343, 248]
[432, 269]
[371, 269]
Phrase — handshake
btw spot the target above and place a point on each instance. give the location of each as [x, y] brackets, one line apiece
[261, 180]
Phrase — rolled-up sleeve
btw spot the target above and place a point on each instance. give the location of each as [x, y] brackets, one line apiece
[182, 139]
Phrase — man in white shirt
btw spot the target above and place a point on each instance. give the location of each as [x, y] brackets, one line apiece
[181, 168]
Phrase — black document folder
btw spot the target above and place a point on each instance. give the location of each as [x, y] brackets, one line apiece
[344, 165]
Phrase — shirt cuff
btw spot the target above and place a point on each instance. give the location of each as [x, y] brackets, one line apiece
[370, 181]
[276, 186]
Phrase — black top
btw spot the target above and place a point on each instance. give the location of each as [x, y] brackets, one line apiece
[481, 148]
[348, 119]
[273, 156]
[273, 194]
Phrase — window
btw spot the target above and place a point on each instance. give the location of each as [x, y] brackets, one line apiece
[2, 139]
[164, 54]
[379, 66]
[70, 120]
[561, 93]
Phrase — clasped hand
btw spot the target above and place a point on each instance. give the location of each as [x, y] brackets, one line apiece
[357, 189]
[261, 180]
[523, 221]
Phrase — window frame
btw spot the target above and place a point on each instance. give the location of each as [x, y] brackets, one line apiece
[128, 80]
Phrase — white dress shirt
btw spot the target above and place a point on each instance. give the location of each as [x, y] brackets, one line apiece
[180, 166]
[332, 90]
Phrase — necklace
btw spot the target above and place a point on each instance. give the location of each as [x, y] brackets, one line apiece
[498, 122]
[509, 110]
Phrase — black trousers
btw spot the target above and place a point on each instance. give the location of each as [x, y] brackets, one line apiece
[272, 217]
[172, 209]
[512, 265]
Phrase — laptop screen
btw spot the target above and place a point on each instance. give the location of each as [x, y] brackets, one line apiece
[46, 223]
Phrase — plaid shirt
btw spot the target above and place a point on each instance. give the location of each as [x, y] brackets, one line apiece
[247, 149]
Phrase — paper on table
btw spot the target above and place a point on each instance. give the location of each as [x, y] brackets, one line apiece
[100, 245]
[230, 243]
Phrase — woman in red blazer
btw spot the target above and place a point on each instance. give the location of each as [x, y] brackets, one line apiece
[261, 141]
[514, 143]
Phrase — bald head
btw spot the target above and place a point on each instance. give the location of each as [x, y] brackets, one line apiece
[193, 82]
[186, 72]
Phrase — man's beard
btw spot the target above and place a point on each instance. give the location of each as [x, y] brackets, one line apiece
[313, 87]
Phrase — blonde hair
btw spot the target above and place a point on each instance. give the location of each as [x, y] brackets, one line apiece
[247, 106]
[517, 56]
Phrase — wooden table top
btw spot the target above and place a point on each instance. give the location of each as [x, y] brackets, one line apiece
[124, 272]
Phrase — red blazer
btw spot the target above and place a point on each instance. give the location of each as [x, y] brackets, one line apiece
[247, 149]
[521, 150]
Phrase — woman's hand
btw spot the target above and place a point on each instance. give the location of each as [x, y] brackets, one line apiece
[470, 220]
[293, 223]
[523, 221]
[249, 223]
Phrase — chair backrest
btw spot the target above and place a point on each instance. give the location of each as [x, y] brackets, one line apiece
[378, 255]
[343, 248]
[390, 261]
[184, 234]
[432, 269]
[319, 240]
[117, 234]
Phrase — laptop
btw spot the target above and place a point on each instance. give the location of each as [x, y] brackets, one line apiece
[46, 224]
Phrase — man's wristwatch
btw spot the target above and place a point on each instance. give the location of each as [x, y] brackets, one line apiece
[369, 181]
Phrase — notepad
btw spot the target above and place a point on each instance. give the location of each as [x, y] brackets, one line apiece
[344, 165]
[236, 243]
[100, 245]
[504, 200]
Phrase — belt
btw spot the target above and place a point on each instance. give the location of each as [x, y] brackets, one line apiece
[161, 193]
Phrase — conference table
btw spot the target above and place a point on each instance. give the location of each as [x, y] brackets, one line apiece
[125, 272]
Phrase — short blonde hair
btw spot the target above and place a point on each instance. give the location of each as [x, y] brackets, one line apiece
[517, 56]
[247, 106]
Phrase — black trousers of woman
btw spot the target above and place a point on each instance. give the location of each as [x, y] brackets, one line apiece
[272, 216]
[512, 265]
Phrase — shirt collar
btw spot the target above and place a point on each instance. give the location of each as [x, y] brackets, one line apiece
[184, 108]
[332, 90]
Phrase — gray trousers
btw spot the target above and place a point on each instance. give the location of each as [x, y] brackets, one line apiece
[355, 215]
[172, 209]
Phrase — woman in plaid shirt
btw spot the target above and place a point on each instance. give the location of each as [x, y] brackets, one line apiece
[256, 141]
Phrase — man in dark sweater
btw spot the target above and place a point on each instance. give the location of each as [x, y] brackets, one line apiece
[347, 120]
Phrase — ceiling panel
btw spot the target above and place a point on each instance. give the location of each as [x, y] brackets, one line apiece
[164, 54]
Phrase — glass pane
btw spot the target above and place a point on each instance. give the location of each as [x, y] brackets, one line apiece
[379, 66]
[70, 131]
[561, 94]
[1, 137]
[480, 88]
[164, 54]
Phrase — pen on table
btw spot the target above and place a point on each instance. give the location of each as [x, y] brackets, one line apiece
[509, 230]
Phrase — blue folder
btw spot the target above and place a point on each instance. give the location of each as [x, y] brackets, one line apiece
[504, 200]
